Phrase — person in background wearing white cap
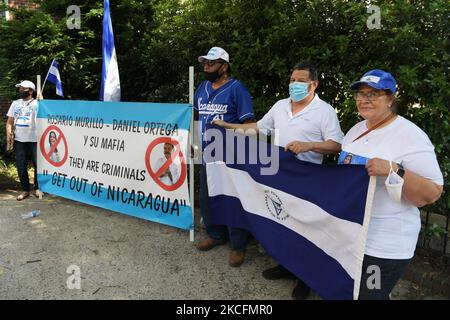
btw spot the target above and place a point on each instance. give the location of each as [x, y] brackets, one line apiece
[307, 126]
[21, 133]
[402, 156]
[220, 97]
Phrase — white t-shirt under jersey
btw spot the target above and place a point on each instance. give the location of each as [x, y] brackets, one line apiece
[394, 227]
[24, 114]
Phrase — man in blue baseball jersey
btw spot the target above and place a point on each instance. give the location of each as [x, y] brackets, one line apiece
[220, 97]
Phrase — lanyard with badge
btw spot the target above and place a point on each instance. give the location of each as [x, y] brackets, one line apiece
[394, 181]
[375, 126]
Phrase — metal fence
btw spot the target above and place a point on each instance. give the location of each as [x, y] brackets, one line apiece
[434, 236]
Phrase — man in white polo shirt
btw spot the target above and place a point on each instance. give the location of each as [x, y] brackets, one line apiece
[21, 133]
[305, 125]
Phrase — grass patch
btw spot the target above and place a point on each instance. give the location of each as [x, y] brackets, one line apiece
[8, 172]
[8, 175]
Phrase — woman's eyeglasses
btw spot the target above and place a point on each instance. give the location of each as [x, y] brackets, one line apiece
[371, 96]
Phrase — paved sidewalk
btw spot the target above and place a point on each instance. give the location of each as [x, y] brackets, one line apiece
[122, 257]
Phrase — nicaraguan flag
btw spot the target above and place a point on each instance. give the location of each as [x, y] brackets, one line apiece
[54, 77]
[110, 90]
[310, 218]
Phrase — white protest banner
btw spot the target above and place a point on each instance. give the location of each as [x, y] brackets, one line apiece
[125, 157]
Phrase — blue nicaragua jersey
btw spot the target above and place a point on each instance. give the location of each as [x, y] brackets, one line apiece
[231, 103]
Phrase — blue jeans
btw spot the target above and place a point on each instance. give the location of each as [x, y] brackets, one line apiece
[391, 271]
[238, 237]
[24, 152]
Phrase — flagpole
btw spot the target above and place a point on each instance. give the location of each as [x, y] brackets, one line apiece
[42, 90]
[38, 97]
[191, 145]
[38, 85]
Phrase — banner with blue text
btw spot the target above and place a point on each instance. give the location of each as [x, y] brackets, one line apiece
[122, 156]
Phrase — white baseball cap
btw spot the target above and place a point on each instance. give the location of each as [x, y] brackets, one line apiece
[215, 53]
[26, 84]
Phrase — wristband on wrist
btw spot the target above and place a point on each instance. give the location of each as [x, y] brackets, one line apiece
[400, 171]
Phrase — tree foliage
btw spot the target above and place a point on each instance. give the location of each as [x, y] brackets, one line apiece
[156, 41]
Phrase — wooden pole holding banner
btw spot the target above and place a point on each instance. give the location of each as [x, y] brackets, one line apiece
[191, 145]
[38, 85]
[38, 92]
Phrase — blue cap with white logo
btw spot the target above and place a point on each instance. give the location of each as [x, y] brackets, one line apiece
[377, 79]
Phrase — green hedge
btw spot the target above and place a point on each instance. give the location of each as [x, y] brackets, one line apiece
[156, 41]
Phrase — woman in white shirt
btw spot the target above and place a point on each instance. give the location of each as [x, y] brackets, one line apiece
[402, 158]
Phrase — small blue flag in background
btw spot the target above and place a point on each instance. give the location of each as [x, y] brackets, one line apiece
[53, 76]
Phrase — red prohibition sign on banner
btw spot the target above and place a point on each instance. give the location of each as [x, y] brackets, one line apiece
[48, 154]
[177, 153]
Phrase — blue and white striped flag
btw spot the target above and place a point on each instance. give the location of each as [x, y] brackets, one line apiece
[312, 219]
[110, 90]
[53, 76]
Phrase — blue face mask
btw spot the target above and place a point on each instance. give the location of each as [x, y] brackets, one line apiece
[298, 91]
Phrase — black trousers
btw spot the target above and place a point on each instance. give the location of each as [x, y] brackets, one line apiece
[379, 277]
[25, 152]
